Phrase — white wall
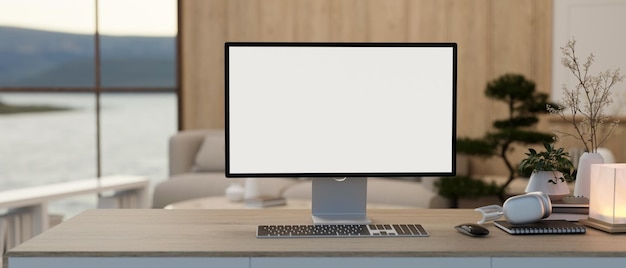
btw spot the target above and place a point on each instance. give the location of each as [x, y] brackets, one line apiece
[599, 28]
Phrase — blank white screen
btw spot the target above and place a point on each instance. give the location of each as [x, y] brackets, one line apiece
[340, 110]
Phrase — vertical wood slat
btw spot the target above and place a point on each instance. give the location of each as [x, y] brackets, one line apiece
[349, 20]
[512, 44]
[387, 21]
[512, 40]
[242, 20]
[204, 27]
[542, 44]
[472, 38]
[312, 20]
[276, 20]
[428, 20]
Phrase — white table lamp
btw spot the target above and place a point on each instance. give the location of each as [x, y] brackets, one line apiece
[607, 198]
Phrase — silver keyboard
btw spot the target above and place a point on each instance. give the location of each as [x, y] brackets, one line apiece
[331, 230]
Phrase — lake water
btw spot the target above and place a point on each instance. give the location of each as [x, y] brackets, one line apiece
[48, 147]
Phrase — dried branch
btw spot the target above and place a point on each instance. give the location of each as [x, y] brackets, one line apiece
[588, 99]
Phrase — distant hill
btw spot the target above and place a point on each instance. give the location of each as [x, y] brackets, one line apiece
[34, 58]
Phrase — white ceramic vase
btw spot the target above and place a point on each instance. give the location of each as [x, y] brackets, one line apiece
[583, 175]
[540, 181]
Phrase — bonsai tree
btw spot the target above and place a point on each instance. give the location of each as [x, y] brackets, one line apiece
[549, 160]
[458, 187]
[524, 104]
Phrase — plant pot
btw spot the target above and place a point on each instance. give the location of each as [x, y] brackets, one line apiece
[583, 174]
[548, 182]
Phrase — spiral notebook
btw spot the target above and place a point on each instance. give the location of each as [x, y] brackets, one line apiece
[542, 227]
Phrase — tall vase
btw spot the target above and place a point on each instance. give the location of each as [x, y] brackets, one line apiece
[583, 176]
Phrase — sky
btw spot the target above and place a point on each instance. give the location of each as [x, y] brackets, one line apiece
[117, 17]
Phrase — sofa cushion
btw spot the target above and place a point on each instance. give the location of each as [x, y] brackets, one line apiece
[189, 186]
[211, 155]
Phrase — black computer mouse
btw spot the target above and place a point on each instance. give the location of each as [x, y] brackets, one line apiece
[472, 229]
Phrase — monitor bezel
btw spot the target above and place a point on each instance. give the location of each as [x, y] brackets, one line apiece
[452, 172]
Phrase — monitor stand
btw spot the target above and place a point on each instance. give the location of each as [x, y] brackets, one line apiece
[339, 201]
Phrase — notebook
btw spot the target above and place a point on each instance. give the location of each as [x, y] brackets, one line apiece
[542, 227]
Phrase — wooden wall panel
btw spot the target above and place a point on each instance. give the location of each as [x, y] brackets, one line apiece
[387, 21]
[312, 20]
[512, 40]
[428, 20]
[494, 37]
[542, 57]
[203, 41]
[472, 38]
[511, 44]
[349, 20]
[242, 20]
[276, 20]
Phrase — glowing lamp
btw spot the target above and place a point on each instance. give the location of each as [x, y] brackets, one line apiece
[607, 198]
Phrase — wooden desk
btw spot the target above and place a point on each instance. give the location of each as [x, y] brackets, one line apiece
[226, 238]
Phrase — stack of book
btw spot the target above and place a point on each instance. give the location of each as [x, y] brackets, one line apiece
[570, 209]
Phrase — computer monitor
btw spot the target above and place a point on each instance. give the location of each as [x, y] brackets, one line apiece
[339, 113]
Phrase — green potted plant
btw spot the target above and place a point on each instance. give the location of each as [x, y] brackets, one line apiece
[549, 170]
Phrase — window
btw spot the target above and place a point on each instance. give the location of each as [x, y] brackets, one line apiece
[54, 125]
